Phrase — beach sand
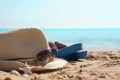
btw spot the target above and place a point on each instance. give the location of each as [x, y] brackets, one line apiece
[98, 65]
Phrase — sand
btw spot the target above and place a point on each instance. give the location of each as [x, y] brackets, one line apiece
[98, 65]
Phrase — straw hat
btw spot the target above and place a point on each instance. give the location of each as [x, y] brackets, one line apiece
[20, 46]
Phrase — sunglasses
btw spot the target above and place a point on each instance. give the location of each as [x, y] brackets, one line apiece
[43, 55]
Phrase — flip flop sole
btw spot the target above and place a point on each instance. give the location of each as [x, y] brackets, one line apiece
[76, 55]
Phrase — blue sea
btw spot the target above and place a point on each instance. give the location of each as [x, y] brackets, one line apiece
[91, 38]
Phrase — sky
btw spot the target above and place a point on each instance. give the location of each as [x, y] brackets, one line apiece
[60, 13]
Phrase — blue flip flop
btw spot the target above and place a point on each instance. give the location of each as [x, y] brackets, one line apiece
[69, 50]
[77, 55]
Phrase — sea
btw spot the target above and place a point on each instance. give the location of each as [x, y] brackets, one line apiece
[91, 38]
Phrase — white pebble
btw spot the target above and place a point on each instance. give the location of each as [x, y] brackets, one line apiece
[25, 75]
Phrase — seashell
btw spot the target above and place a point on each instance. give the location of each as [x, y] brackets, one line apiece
[15, 73]
[26, 69]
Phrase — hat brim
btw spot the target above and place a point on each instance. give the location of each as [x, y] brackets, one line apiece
[15, 65]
